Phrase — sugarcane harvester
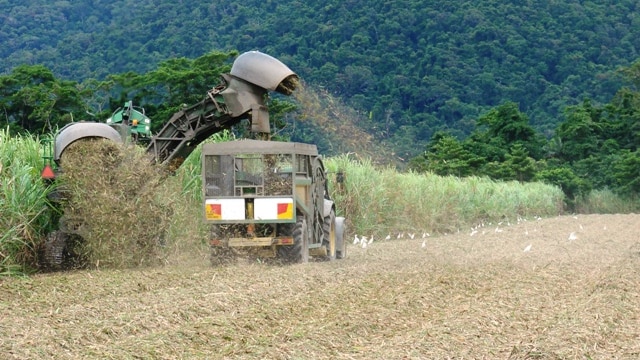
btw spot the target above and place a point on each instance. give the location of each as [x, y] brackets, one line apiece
[241, 95]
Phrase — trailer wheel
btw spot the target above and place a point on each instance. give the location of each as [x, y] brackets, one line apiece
[299, 251]
[301, 241]
[329, 238]
[341, 244]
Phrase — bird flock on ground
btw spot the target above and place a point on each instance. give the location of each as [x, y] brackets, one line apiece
[366, 241]
[481, 229]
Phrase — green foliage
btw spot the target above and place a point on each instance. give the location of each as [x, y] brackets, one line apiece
[446, 156]
[621, 120]
[572, 185]
[380, 200]
[594, 148]
[506, 126]
[578, 133]
[33, 100]
[499, 148]
[278, 111]
[606, 201]
[24, 214]
[627, 173]
[522, 166]
[418, 67]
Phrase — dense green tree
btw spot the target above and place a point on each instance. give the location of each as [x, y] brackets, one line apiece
[490, 148]
[446, 156]
[595, 170]
[627, 173]
[279, 109]
[579, 133]
[571, 184]
[520, 163]
[497, 170]
[97, 97]
[33, 100]
[621, 119]
[508, 126]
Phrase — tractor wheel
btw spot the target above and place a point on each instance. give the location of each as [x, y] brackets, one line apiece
[329, 238]
[299, 251]
[341, 244]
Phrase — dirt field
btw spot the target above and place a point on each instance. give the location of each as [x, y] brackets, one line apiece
[462, 296]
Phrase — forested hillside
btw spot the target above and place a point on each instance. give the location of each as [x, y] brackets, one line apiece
[527, 91]
[410, 68]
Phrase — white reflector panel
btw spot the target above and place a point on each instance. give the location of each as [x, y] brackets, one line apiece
[230, 209]
[270, 208]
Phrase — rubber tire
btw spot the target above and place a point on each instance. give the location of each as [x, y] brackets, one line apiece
[329, 235]
[341, 244]
[299, 251]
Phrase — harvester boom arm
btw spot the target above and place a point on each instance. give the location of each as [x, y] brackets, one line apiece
[191, 126]
[241, 96]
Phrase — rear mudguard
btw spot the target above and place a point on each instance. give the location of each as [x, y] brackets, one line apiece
[79, 130]
[327, 207]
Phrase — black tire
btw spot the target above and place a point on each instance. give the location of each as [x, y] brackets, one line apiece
[299, 251]
[283, 252]
[341, 244]
[329, 235]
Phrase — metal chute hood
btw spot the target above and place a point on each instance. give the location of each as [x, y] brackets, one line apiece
[265, 71]
[80, 130]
